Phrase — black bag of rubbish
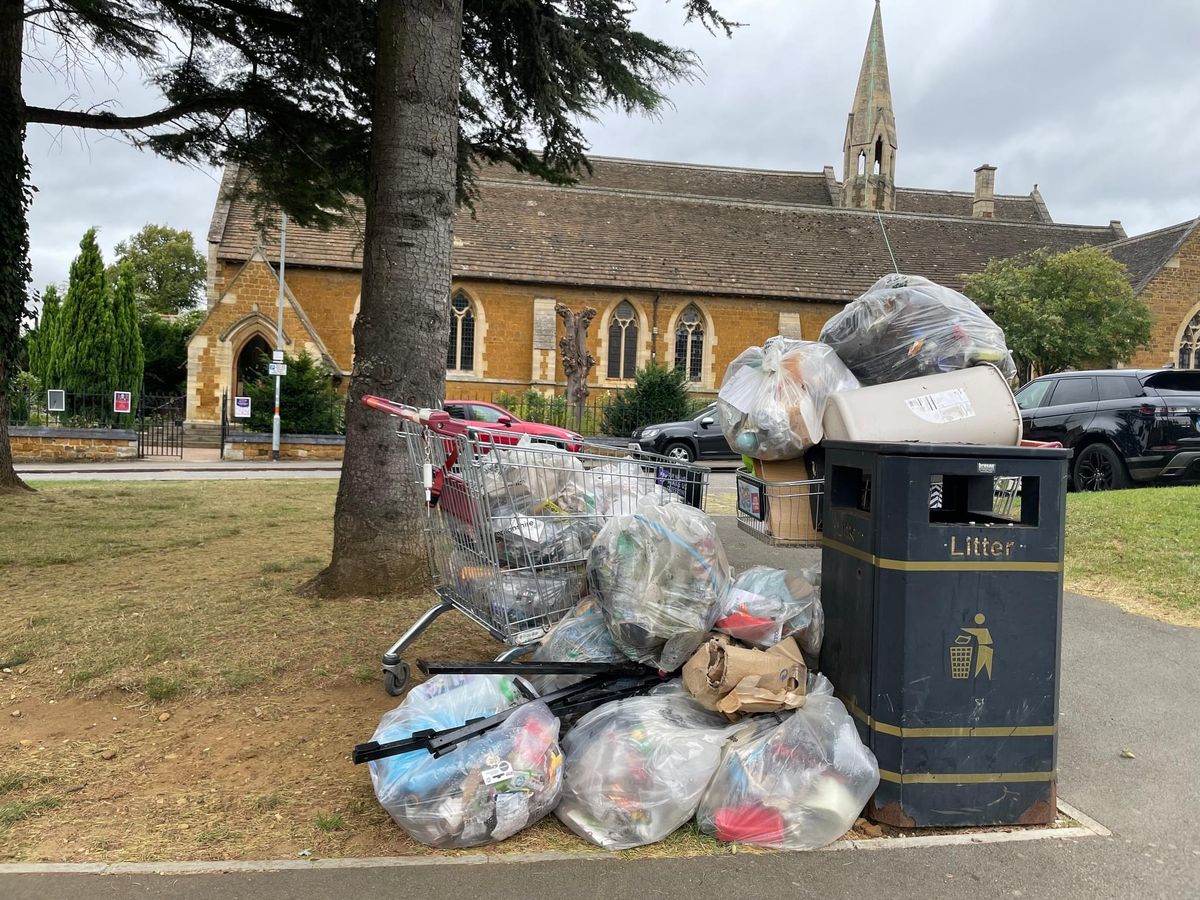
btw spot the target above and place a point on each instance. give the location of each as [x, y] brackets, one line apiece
[766, 605]
[635, 769]
[486, 789]
[661, 577]
[796, 785]
[906, 326]
[580, 636]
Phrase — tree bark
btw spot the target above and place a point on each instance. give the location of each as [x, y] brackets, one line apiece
[14, 243]
[403, 321]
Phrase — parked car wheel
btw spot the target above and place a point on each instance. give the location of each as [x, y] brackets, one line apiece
[680, 451]
[1099, 468]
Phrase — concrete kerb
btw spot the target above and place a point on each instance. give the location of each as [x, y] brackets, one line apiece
[1087, 828]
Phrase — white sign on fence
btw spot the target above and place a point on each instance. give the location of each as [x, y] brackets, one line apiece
[56, 401]
[122, 401]
[241, 407]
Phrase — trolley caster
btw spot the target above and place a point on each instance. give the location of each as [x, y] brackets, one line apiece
[395, 679]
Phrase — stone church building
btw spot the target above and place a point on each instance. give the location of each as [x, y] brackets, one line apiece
[685, 264]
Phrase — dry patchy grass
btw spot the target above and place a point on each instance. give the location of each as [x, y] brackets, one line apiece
[127, 603]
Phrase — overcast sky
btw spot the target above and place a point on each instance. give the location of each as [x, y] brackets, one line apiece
[1096, 101]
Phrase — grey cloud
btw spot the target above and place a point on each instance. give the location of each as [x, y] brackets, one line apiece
[1095, 100]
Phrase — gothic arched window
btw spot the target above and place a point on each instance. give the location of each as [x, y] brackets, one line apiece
[878, 155]
[460, 352]
[689, 344]
[622, 341]
[1189, 344]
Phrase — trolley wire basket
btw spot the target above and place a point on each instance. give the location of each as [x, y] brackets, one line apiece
[509, 522]
[780, 513]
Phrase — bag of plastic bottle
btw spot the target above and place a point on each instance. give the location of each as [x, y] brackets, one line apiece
[486, 789]
[906, 326]
[660, 576]
[773, 397]
[636, 768]
[766, 605]
[580, 636]
[617, 487]
[797, 785]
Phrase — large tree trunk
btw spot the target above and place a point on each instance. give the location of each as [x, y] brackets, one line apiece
[403, 321]
[14, 235]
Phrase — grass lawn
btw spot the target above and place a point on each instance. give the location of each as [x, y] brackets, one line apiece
[169, 695]
[1139, 549]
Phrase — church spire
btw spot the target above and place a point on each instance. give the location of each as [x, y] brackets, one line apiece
[869, 179]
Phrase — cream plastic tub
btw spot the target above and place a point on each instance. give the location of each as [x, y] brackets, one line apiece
[973, 406]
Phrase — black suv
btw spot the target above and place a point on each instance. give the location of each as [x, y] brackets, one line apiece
[696, 438]
[1123, 424]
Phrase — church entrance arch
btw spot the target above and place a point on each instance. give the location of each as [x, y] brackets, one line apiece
[251, 363]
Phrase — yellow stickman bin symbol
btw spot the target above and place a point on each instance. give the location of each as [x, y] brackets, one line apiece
[962, 653]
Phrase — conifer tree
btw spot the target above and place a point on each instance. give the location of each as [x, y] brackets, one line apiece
[83, 356]
[42, 338]
[130, 361]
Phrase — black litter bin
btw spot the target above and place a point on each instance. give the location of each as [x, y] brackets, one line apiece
[943, 614]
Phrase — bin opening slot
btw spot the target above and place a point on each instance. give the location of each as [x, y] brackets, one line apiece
[849, 488]
[1002, 500]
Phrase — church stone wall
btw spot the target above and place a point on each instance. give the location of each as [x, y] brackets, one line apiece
[515, 346]
[1173, 296]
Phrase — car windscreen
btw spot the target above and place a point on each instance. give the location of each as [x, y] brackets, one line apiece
[1173, 381]
[710, 410]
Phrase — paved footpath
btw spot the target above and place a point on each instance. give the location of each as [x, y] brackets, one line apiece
[1128, 683]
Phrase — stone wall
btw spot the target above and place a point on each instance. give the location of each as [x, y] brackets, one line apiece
[291, 446]
[31, 444]
[516, 331]
[1173, 296]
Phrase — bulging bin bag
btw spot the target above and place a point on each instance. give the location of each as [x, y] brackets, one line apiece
[661, 577]
[617, 487]
[766, 605]
[798, 785]
[486, 789]
[636, 769]
[580, 636]
[906, 326]
[773, 397]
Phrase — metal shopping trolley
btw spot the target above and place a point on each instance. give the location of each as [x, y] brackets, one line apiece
[509, 522]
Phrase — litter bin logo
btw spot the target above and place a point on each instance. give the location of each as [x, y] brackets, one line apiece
[972, 645]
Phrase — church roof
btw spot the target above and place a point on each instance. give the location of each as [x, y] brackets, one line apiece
[1146, 254]
[528, 231]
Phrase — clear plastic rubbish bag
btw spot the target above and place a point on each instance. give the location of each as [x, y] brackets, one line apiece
[906, 326]
[536, 478]
[660, 576]
[617, 487]
[486, 789]
[766, 605]
[798, 785]
[636, 768]
[773, 397]
[580, 636]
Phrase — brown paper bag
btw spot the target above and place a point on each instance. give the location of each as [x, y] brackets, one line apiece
[735, 680]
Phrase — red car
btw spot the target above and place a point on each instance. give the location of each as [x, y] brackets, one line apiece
[507, 428]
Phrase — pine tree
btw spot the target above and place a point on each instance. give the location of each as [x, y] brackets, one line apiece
[42, 338]
[83, 356]
[131, 361]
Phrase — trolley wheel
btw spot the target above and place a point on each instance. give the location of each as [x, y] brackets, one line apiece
[396, 678]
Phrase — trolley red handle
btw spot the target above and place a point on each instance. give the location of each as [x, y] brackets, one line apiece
[395, 409]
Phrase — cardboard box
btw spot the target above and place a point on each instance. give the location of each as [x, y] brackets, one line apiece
[793, 512]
